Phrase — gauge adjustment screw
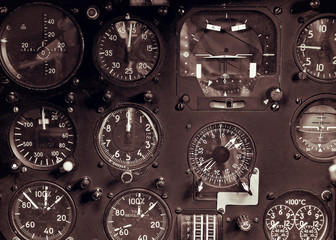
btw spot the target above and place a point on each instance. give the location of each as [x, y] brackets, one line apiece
[70, 98]
[160, 183]
[326, 195]
[92, 12]
[244, 223]
[12, 97]
[126, 177]
[97, 194]
[148, 96]
[85, 182]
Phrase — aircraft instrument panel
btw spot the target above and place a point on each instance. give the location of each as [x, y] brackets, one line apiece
[167, 120]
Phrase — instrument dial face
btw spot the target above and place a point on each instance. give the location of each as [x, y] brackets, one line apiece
[137, 214]
[297, 214]
[127, 51]
[42, 210]
[42, 137]
[221, 154]
[315, 48]
[314, 128]
[226, 51]
[41, 46]
[129, 137]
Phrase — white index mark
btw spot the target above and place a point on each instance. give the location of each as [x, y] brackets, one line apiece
[253, 69]
[198, 70]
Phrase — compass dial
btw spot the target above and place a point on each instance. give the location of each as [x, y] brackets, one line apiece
[221, 154]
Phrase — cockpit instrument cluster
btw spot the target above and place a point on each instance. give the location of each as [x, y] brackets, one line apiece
[167, 120]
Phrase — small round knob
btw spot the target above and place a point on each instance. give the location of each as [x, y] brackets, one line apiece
[332, 172]
[148, 96]
[68, 166]
[160, 183]
[97, 194]
[244, 223]
[85, 182]
[274, 94]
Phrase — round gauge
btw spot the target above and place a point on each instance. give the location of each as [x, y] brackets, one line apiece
[280, 215]
[137, 214]
[42, 210]
[226, 51]
[297, 214]
[42, 137]
[41, 46]
[279, 232]
[128, 137]
[127, 51]
[315, 48]
[221, 154]
[314, 128]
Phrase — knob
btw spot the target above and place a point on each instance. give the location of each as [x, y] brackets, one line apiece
[127, 177]
[332, 172]
[244, 223]
[97, 194]
[160, 183]
[68, 166]
[85, 182]
[274, 94]
[148, 96]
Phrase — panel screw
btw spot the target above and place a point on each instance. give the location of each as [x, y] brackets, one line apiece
[14, 188]
[270, 196]
[70, 109]
[297, 156]
[156, 110]
[298, 101]
[108, 7]
[101, 164]
[228, 220]
[315, 3]
[110, 195]
[275, 106]
[179, 106]
[75, 81]
[155, 164]
[256, 220]
[178, 210]
[277, 10]
[100, 110]
[70, 97]
[107, 97]
[164, 195]
[181, 10]
[188, 126]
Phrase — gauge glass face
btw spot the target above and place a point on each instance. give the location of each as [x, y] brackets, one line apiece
[221, 154]
[42, 210]
[129, 137]
[42, 137]
[315, 48]
[137, 214]
[314, 129]
[297, 215]
[127, 51]
[41, 46]
[227, 51]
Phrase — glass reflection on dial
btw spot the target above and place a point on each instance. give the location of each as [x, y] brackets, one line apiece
[41, 45]
[314, 128]
[137, 214]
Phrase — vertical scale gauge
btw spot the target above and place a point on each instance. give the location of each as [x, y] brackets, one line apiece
[128, 137]
[220, 155]
[137, 214]
[42, 210]
[314, 128]
[41, 46]
[315, 48]
[42, 137]
[127, 51]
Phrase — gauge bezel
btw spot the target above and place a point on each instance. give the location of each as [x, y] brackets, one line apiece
[14, 149]
[136, 190]
[142, 164]
[40, 183]
[298, 33]
[236, 126]
[151, 74]
[80, 39]
[306, 104]
[315, 197]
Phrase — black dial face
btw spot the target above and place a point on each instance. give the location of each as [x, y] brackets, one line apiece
[314, 128]
[42, 137]
[315, 48]
[129, 137]
[221, 154]
[227, 51]
[127, 51]
[137, 214]
[297, 215]
[41, 46]
[42, 210]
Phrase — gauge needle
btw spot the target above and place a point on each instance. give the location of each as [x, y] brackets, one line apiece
[126, 226]
[149, 209]
[129, 38]
[30, 200]
[303, 225]
[128, 125]
[302, 46]
[57, 201]
[44, 121]
[274, 225]
[46, 197]
[210, 56]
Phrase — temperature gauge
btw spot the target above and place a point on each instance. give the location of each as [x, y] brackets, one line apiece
[41, 46]
[42, 210]
[297, 214]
